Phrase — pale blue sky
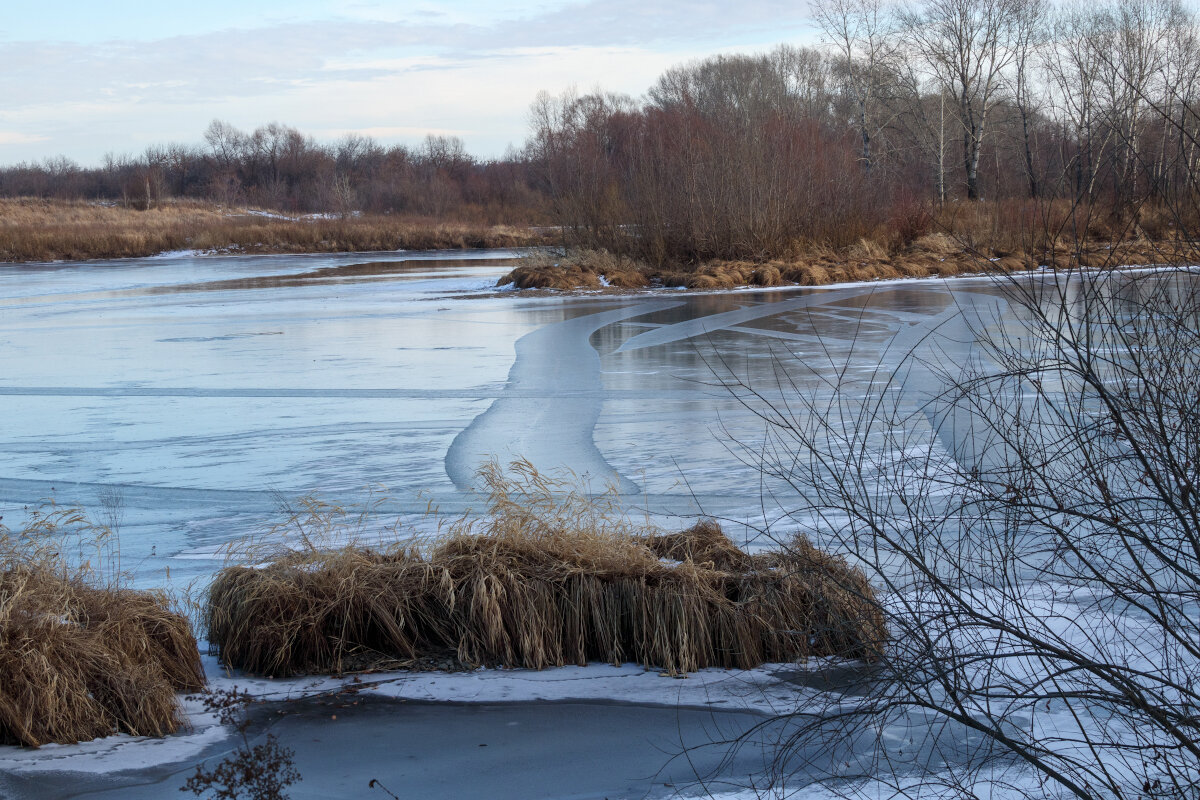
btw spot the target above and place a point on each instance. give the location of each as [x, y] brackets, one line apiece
[82, 79]
[91, 22]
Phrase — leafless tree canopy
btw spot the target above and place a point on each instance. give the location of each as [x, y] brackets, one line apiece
[1087, 105]
[277, 166]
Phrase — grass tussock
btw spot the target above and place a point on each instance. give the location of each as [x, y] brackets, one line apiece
[81, 656]
[577, 269]
[548, 577]
[48, 230]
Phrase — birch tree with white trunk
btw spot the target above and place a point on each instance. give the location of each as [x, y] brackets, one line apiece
[862, 33]
[964, 47]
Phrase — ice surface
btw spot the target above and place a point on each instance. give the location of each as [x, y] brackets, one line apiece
[199, 390]
[202, 389]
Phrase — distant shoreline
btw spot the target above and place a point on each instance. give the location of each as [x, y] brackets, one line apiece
[38, 231]
[33, 230]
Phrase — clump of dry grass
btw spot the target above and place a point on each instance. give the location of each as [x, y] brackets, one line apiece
[548, 577]
[816, 265]
[81, 656]
[531, 276]
[47, 230]
[576, 269]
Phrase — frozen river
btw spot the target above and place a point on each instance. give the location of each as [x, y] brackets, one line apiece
[184, 397]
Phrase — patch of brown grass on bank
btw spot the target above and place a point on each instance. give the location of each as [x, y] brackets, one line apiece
[49, 230]
[80, 656]
[547, 578]
[977, 242]
[577, 269]
[531, 276]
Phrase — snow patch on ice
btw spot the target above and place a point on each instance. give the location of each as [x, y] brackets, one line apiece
[766, 690]
[170, 254]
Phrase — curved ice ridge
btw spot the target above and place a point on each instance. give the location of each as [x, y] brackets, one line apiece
[549, 408]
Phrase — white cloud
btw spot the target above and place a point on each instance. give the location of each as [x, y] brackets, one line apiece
[362, 72]
[16, 137]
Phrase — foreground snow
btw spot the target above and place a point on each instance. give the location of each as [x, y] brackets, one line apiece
[766, 690]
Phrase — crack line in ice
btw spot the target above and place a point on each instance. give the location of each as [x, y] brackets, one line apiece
[715, 322]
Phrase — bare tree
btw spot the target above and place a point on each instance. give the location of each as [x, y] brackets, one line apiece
[1022, 483]
[1073, 66]
[1131, 38]
[1181, 82]
[808, 81]
[736, 90]
[225, 142]
[862, 32]
[965, 45]
[1030, 34]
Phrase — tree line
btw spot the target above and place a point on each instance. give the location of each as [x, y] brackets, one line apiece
[904, 110]
[278, 167]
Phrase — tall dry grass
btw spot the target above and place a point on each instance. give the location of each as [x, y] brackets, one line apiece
[548, 577]
[48, 230]
[81, 655]
[955, 239]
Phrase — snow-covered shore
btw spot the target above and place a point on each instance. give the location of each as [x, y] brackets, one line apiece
[644, 719]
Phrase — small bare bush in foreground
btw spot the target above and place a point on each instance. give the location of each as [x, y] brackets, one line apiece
[258, 772]
[1022, 486]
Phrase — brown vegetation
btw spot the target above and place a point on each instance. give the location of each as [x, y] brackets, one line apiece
[1067, 122]
[930, 255]
[886, 137]
[82, 657]
[899, 128]
[551, 579]
[278, 167]
[577, 269]
[46, 230]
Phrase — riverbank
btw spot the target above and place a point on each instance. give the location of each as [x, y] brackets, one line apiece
[60, 230]
[460, 734]
[933, 255]
[37, 230]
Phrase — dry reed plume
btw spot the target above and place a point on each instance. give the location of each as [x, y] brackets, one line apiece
[548, 577]
[46, 230]
[81, 656]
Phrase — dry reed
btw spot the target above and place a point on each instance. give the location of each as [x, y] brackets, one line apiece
[577, 269]
[81, 656]
[933, 254]
[548, 577]
[46, 230]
